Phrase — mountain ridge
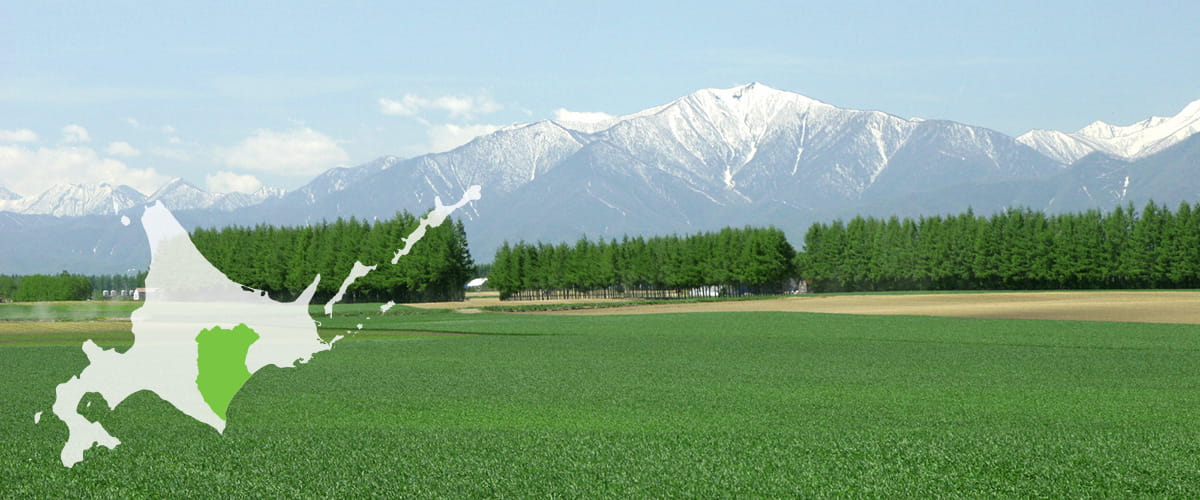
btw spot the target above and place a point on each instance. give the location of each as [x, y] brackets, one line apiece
[1129, 142]
[77, 200]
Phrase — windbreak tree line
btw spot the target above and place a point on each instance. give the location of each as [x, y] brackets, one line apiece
[1018, 249]
[728, 262]
[9, 285]
[284, 260]
[43, 287]
[65, 286]
[118, 281]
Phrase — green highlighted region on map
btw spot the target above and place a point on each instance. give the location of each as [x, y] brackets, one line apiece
[221, 359]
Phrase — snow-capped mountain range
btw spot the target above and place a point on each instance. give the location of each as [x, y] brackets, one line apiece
[66, 200]
[181, 195]
[75, 200]
[745, 155]
[749, 154]
[1130, 142]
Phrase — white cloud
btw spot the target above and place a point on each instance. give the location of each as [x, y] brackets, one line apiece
[448, 136]
[19, 135]
[394, 107]
[456, 106]
[169, 130]
[229, 182]
[564, 115]
[133, 122]
[75, 133]
[121, 148]
[299, 152]
[30, 171]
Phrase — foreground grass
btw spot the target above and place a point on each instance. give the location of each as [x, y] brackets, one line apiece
[706, 404]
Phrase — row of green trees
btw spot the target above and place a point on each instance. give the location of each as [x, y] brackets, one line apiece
[117, 281]
[284, 260]
[9, 285]
[1015, 249]
[731, 261]
[43, 287]
[66, 286]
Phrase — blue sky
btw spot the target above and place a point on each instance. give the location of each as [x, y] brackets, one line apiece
[229, 95]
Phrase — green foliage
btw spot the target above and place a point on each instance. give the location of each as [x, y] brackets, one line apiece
[1010, 250]
[41, 287]
[738, 261]
[9, 285]
[284, 260]
[715, 405]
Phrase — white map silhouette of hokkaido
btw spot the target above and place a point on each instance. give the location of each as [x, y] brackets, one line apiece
[188, 295]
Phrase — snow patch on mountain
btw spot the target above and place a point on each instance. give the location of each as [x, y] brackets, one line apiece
[67, 200]
[1062, 147]
[335, 180]
[1129, 142]
[229, 202]
[179, 194]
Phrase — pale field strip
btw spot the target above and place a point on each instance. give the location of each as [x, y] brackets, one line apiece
[1182, 307]
[65, 327]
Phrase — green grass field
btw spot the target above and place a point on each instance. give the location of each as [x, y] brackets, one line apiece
[696, 405]
[67, 311]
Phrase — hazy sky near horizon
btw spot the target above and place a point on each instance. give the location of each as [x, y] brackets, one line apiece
[231, 95]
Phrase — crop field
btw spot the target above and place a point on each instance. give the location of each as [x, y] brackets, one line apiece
[1127, 306]
[433, 403]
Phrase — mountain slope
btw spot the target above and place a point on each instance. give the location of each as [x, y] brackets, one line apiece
[179, 194]
[1096, 181]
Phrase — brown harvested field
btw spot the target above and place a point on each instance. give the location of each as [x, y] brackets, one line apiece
[65, 327]
[1142, 307]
